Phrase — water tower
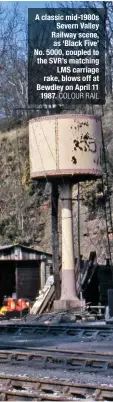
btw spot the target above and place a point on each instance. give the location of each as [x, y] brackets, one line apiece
[66, 149]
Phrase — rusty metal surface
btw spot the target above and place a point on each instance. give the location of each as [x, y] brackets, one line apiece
[88, 362]
[66, 116]
[19, 253]
[90, 173]
[18, 387]
[64, 145]
[71, 351]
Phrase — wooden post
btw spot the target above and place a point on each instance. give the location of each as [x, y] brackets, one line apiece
[16, 280]
[55, 248]
[42, 274]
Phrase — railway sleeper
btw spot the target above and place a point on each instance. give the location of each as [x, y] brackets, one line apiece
[10, 330]
[49, 360]
[35, 396]
[63, 361]
[4, 357]
[84, 333]
[74, 332]
[106, 396]
[40, 332]
[76, 363]
[105, 334]
[18, 358]
[57, 332]
[48, 389]
[45, 391]
[90, 334]
[27, 331]
[78, 393]
[23, 385]
[51, 387]
[96, 364]
[56, 359]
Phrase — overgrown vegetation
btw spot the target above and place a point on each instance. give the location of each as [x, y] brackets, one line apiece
[21, 218]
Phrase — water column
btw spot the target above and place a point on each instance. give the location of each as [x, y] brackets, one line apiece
[69, 297]
[65, 149]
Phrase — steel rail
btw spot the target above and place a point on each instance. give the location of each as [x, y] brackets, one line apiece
[68, 351]
[78, 332]
[56, 351]
[79, 361]
[44, 389]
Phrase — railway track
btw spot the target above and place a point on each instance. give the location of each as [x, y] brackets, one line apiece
[80, 332]
[42, 389]
[83, 361]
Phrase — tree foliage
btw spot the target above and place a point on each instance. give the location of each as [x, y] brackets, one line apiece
[13, 55]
